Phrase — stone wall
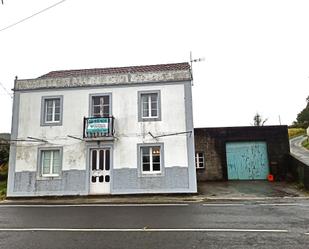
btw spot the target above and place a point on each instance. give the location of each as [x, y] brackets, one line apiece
[299, 171]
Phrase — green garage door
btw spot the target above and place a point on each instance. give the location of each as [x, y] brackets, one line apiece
[247, 160]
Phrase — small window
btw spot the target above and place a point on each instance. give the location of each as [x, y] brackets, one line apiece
[150, 159]
[100, 106]
[51, 113]
[149, 106]
[199, 160]
[50, 163]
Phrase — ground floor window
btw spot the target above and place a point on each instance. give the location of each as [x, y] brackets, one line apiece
[50, 162]
[199, 160]
[150, 157]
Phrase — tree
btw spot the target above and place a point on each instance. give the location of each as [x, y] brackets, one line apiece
[4, 148]
[4, 153]
[302, 119]
[258, 121]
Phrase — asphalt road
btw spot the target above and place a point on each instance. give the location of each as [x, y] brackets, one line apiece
[298, 150]
[212, 225]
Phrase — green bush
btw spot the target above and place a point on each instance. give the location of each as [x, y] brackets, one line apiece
[306, 143]
[3, 172]
[2, 189]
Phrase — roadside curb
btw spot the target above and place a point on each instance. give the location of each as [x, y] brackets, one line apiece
[124, 201]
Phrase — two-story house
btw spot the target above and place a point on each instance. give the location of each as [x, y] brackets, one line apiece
[125, 130]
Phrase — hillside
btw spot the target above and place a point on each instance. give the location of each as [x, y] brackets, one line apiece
[5, 136]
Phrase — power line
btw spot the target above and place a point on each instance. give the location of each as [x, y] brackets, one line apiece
[37, 13]
[5, 90]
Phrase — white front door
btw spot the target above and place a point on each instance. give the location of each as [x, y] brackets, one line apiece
[100, 165]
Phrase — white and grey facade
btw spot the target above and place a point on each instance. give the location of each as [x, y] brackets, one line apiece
[103, 131]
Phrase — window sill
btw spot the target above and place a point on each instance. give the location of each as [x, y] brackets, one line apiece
[200, 168]
[49, 177]
[52, 124]
[149, 119]
[159, 174]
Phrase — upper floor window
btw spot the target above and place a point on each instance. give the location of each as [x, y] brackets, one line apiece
[100, 106]
[149, 106]
[199, 160]
[51, 110]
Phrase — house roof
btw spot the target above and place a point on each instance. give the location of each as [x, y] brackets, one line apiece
[116, 70]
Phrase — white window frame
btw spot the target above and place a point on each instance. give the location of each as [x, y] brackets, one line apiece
[92, 96]
[149, 102]
[51, 166]
[149, 117]
[45, 99]
[53, 111]
[151, 173]
[197, 160]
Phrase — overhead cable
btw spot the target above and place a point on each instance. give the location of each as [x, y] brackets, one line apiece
[6, 91]
[37, 13]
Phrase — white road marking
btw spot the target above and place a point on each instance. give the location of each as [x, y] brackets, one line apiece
[95, 205]
[223, 204]
[282, 204]
[141, 230]
[254, 204]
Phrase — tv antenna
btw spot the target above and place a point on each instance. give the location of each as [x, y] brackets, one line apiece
[191, 64]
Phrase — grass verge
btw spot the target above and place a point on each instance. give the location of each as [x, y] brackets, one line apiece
[294, 132]
[2, 190]
[305, 143]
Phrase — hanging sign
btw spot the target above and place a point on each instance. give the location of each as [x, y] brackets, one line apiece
[97, 125]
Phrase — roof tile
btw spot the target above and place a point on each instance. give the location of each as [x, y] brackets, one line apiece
[116, 70]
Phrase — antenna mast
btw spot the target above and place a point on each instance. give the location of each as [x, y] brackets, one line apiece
[191, 64]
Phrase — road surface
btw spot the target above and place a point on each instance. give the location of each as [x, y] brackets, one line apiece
[298, 150]
[181, 226]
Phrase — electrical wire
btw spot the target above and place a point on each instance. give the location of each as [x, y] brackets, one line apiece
[37, 13]
[6, 91]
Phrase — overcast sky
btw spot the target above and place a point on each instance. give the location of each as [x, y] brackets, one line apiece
[256, 52]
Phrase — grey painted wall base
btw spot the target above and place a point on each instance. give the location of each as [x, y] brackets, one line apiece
[125, 181]
[72, 182]
[174, 180]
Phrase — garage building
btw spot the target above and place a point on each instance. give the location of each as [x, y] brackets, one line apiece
[241, 153]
